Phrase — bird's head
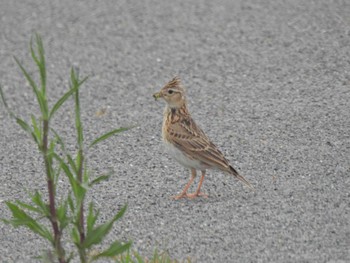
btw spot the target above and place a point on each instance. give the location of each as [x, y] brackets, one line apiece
[173, 93]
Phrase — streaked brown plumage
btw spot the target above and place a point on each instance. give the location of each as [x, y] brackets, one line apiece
[186, 142]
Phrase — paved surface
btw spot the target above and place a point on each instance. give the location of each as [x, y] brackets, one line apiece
[268, 82]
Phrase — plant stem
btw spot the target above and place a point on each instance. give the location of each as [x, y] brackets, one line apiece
[81, 212]
[81, 228]
[51, 190]
[80, 179]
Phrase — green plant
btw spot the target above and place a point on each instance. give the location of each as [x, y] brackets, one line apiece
[68, 216]
[135, 257]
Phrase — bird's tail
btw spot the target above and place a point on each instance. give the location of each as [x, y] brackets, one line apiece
[240, 177]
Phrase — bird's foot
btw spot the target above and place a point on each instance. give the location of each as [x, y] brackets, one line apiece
[177, 197]
[194, 195]
[189, 196]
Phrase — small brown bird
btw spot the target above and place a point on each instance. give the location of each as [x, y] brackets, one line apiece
[186, 142]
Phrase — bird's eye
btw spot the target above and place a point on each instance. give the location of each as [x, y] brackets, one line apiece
[170, 91]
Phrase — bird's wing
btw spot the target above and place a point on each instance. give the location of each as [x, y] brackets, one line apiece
[191, 140]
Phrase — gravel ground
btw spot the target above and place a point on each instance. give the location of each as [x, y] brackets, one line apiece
[268, 82]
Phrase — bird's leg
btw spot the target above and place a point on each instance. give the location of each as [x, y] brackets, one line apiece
[198, 191]
[184, 192]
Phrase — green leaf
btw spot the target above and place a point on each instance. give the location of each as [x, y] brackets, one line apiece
[21, 218]
[78, 159]
[75, 83]
[78, 124]
[116, 248]
[77, 188]
[75, 236]
[40, 62]
[98, 234]
[51, 150]
[37, 132]
[56, 174]
[155, 254]
[109, 134]
[38, 200]
[99, 179]
[86, 176]
[80, 194]
[138, 257]
[83, 80]
[42, 66]
[59, 103]
[5, 103]
[35, 58]
[58, 139]
[126, 258]
[25, 126]
[91, 218]
[40, 97]
[57, 157]
[3, 98]
[29, 207]
[72, 163]
[28, 77]
[62, 215]
[71, 203]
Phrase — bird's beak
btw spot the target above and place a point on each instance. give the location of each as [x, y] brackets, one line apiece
[157, 95]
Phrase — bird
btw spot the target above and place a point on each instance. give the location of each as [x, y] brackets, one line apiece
[186, 142]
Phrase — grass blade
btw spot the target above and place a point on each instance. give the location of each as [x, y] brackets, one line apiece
[25, 126]
[78, 124]
[35, 58]
[3, 98]
[138, 257]
[75, 236]
[59, 103]
[28, 77]
[75, 85]
[38, 200]
[42, 65]
[36, 131]
[21, 218]
[29, 207]
[97, 234]
[72, 163]
[115, 249]
[70, 203]
[100, 179]
[40, 97]
[86, 175]
[40, 62]
[59, 139]
[108, 134]
[62, 215]
[78, 189]
[5, 103]
[72, 180]
[91, 218]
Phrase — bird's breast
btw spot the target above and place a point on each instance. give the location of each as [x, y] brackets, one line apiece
[181, 157]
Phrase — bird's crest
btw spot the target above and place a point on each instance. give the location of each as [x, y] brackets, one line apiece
[175, 83]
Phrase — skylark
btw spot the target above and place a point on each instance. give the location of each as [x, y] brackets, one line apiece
[186, 142]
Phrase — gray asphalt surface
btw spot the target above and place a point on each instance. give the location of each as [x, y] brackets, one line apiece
[268, 82]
